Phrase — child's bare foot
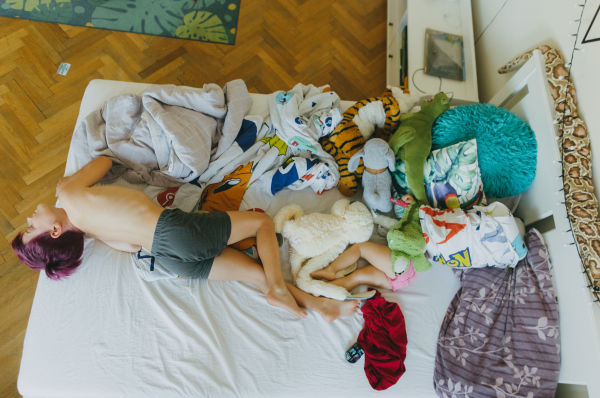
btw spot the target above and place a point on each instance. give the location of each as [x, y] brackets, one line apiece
[331, 309]
[324, 273]
[282, 298]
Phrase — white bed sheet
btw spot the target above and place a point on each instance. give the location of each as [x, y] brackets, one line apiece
[105, 332]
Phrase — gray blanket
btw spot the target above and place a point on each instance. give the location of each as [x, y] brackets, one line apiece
[166, 137]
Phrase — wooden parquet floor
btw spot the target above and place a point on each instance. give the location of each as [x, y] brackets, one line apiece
[279, 43]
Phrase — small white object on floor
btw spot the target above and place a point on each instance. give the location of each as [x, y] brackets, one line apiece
[63, 68]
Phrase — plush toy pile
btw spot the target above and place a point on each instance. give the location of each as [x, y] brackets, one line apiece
[407, 243]
[318, 239]
[433, 167]
[406, 175]
[412, 142]
[377, 116]
[506, 145]
[377, 158]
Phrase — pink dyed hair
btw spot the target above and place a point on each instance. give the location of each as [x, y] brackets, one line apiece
[59, 257]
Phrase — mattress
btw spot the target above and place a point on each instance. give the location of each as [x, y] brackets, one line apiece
[105, 332]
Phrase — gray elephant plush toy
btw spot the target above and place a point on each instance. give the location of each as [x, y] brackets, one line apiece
[377, 181]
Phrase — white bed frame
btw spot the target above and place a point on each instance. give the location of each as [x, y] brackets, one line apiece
[527, 95]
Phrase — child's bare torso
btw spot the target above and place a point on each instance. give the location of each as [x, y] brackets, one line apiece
[113, 213]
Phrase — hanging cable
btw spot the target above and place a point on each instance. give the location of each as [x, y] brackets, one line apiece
[413, 81]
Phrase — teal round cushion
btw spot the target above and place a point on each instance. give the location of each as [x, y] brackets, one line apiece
[506, 145]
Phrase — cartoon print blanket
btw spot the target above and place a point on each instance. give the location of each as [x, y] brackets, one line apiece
[167, 136]
[480, 237]
[281, 151]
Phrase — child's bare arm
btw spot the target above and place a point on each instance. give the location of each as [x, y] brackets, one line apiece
[89, 175]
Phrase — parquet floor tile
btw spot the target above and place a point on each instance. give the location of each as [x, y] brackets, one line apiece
[279, 43]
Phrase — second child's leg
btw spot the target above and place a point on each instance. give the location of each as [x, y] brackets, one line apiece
[250, 224]
[379, 256]
[368, 275]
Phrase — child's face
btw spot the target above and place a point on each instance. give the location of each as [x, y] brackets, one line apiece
[407, 199]
[42, 220]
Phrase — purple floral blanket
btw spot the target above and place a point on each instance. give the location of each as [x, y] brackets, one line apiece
[500, 335]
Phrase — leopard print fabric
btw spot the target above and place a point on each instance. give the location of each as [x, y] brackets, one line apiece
[347, 139]
[581, 202]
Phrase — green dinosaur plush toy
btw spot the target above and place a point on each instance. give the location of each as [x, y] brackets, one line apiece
[407, 242]
[411, 143]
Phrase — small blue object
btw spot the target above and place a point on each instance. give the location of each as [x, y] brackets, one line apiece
[354, 353]
[247, 134]
[283, 98]
[506, 145]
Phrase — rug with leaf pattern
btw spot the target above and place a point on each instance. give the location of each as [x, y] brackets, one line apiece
[204, 20]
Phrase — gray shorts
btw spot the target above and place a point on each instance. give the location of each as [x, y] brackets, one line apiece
[187, 243]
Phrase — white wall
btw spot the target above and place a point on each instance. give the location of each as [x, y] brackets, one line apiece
[522, 25]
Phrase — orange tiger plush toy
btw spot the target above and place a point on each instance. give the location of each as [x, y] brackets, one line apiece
[378, 116]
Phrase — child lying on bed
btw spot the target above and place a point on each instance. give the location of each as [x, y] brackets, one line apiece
[485, 236]
[191, 245]
[377, 274]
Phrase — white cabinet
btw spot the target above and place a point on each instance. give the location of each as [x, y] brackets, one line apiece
[450, 16]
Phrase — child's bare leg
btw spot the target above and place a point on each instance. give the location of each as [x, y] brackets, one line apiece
[329, 309]
[233, 265]
[250, 224]
[378, 255]
[368, 275]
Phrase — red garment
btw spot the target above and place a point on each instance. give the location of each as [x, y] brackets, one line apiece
[383, 340]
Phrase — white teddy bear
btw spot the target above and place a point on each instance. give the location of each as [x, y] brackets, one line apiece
[320, 239]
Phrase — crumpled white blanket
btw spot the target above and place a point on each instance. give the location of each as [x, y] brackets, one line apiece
[303, 115]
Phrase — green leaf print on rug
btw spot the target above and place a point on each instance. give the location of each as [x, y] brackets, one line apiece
[152, 17]
[200, 20]
[191, 5]
[97, 2]
[59, 11]
[204, 26]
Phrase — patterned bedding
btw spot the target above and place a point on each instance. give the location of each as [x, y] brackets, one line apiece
[500, 335]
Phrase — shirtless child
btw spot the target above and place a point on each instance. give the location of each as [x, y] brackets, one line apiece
[191, 245]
